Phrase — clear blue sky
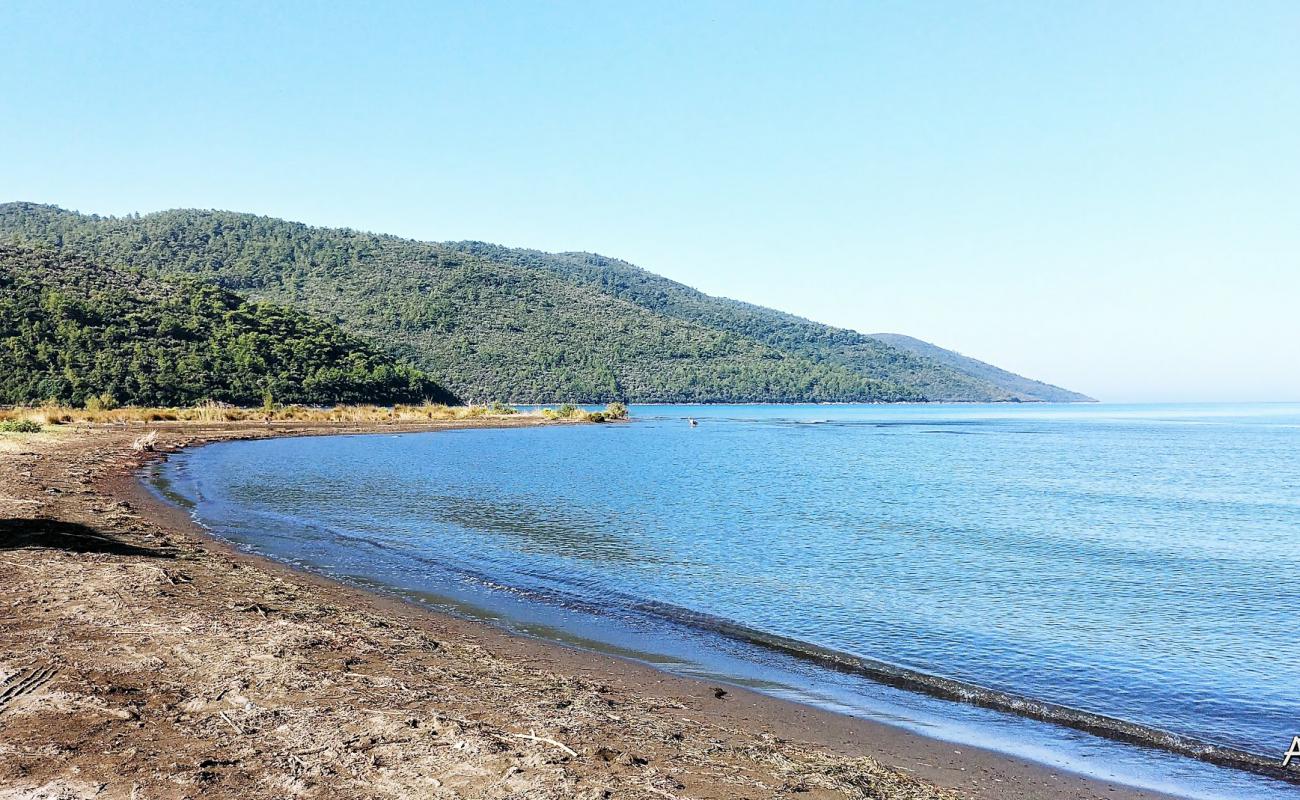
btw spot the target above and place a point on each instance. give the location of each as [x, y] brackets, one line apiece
[1103, 195]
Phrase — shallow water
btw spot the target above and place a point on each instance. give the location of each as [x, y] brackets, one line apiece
[1135, 562]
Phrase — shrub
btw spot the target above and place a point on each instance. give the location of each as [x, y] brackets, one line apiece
[567, 410]
[20, 426]
[101, 402]
[615, 411]
[596, 416]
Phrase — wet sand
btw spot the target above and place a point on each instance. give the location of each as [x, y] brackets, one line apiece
[141, 658]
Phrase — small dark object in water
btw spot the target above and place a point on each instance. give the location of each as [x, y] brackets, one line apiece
[694, 424]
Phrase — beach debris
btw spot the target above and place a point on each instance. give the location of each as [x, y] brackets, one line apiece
[176, 577]
[60, 789]
[719, 692]
[533, 737]
[605, 754]
[258, 607]
[145, 443]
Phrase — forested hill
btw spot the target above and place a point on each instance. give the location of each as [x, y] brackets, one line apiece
[516, 325]
[490, 330]
[73, 330]
[1019, 386]
[786, 332]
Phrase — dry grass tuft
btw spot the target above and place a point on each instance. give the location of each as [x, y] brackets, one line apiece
[213, 412]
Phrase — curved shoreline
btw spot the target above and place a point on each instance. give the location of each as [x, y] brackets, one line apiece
[959, 691]
[877, 670]
[974, 773]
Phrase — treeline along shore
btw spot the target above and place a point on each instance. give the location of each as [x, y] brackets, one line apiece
[142, 658]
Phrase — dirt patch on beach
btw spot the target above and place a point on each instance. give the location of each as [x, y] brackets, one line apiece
[141, 659]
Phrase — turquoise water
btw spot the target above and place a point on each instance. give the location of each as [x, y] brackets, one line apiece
[1124, 571]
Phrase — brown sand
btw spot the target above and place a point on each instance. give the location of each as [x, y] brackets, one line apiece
[140, 658]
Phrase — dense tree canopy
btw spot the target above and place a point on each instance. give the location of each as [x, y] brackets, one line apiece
[72, 330]
[862, 355]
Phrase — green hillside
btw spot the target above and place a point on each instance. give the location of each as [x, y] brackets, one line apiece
[821, 343]
[72, 329]
[488, 329]
[1018, 386]
[518, 325]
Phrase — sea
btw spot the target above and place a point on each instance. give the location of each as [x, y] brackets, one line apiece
[1105, 589]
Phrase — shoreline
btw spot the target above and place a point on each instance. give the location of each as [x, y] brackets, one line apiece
[745, 730]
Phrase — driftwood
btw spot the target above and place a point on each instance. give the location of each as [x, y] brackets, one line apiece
[533, 737]
[232, 724]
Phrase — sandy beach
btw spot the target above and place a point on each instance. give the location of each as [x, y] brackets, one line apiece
[141, 658]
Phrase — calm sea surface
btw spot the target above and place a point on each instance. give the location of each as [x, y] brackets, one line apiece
[1139, 563]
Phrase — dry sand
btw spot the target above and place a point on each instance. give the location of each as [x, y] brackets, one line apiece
[140, 658]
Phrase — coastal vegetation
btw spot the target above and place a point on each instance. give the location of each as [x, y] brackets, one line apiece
[568, 411]
[75, 331]
[19, 425]
[33, 419]
[519, 325]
